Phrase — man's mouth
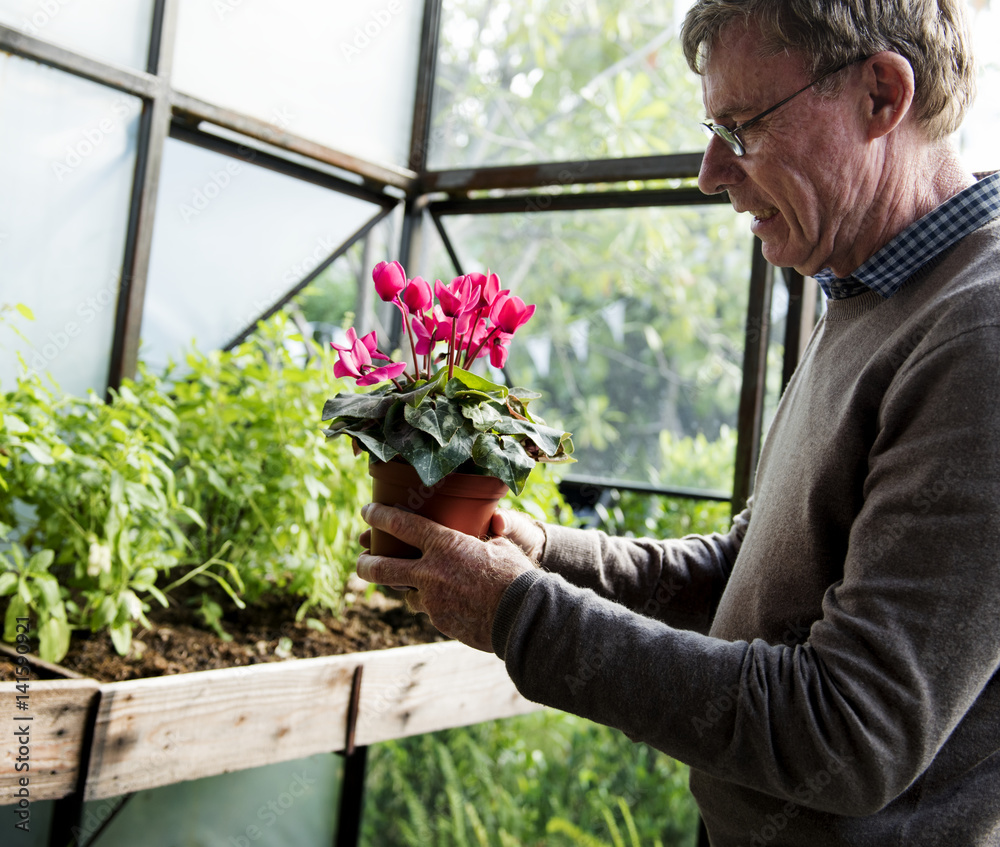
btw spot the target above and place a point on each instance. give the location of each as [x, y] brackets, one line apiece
[763, 214]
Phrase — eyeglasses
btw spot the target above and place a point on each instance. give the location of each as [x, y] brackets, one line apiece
[731, 136]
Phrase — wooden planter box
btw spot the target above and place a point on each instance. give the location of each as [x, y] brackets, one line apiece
[148, 733]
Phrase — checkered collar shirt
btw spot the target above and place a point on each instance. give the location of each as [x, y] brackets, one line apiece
[923, 240]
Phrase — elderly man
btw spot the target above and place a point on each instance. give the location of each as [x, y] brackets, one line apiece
[828, 668]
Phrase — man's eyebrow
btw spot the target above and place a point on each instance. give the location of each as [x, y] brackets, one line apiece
[727, 112]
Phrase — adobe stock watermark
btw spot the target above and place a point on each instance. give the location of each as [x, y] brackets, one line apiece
[268, 813]
[325, 245]
[94, 136]
[586, 670]
[219, 180]
[97, 813]
[224, 8]
[45, 11]
[372, 28]
[804, 793]
[394, 692]
[924, 499]
[57, 342]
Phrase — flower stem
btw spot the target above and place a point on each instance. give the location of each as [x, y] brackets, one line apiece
[451, 349]
[468, 361]
[413, 346]
[493, 331]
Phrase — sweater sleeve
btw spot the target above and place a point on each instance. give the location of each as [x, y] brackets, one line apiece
[905, 647]
[678, 581]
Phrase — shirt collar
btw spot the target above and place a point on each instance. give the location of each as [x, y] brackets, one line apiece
[886, 271]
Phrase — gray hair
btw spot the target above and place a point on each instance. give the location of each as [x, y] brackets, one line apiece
[933, 35]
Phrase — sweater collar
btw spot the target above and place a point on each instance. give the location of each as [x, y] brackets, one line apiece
[919, 243]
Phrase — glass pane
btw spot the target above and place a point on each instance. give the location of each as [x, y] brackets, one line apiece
[637, 344]
[342, 75]
[67, 158]
[231, 239]
[116, 31]
[978, 135]
[342, 294]
[555, 80]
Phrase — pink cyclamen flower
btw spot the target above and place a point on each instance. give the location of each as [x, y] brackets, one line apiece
[353, 357]
[390, 371]
[458, 297]
[499, 348]
[390, 279]
[509, 312]
[355, 360]
[369, 341]
[488, 287]
[475, 340]
[417, 295]
[429, 331]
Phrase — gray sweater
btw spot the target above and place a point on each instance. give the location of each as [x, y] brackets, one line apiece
[828, 668]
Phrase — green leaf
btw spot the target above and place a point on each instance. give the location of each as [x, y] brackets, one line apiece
[483, 416]
[48, 591]
[439, 420]
[503, 458]
[121, 637]
[373, 405]
[143, 579]
[431, 460]
[117, 493]
[53, 639]
[466, 384]
[424, 389]
[374, 444]
[159, 595]
[14, 425]
[17, 608]
[524, 394]
[314, 487]
[8, 584]
[40, 562]
[545, 438]
[24, 311]
[39, 453]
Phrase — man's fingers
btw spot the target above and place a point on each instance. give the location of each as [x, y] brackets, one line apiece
[415, 530]
[396, 573]
[499, 525]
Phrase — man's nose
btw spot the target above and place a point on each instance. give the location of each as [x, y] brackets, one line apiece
[720, 168]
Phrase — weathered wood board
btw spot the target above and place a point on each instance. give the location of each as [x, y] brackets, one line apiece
[55, 717]
[154, 732]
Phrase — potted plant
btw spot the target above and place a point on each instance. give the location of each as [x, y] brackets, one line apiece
[438, 434]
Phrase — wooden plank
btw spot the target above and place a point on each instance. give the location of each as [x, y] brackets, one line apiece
[153, 732]
[56, 718]
[428, 687]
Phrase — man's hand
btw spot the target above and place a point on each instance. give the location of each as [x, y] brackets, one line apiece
[458, 581]
[521, 530]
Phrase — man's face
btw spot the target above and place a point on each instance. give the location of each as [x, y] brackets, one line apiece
[804, 175]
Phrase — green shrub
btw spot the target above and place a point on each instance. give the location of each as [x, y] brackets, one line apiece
[546, 778]
[220, 475]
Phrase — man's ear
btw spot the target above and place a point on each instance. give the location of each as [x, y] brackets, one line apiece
[890, 87]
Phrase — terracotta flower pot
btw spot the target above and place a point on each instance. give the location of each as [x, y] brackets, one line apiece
[465, 502]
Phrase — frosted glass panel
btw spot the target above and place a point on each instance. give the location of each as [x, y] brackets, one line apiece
[116, 31]
[342, 74]
[67, 157]
[231, 238]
